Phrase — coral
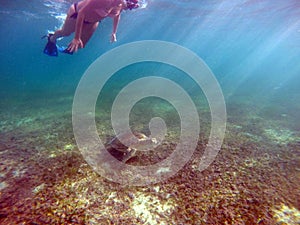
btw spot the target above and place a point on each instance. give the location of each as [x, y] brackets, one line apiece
[287, 215]
[281, 136]
[150, 209]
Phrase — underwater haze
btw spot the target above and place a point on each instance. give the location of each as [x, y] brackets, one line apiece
[253, 49]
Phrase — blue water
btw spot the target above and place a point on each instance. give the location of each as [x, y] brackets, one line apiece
[241, 41]
[251, 46]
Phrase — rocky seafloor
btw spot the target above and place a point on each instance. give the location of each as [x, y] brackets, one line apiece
[44, 179]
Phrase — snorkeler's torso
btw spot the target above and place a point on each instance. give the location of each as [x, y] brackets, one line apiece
[96, 10]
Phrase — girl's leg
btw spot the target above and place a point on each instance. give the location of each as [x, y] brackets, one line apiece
[68, 27]
[87, 32]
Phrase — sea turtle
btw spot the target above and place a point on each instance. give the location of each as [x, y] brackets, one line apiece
[123, 152]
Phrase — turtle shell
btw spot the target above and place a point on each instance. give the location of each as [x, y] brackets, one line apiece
[116, 144]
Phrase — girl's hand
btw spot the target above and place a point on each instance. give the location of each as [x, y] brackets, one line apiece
[74, 45]
[113, 38]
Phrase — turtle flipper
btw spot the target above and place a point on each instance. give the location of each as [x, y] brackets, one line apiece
[131, 153]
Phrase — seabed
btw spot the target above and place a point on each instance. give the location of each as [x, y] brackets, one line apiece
[44, 179]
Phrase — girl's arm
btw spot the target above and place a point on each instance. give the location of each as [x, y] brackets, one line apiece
[115, 27]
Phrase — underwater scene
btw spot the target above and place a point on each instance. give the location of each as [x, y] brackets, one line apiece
[251, 51]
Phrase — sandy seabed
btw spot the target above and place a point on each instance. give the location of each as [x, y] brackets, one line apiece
[44, 179]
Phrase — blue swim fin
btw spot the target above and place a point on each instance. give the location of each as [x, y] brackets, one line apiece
[50, 48]
[63, 49]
